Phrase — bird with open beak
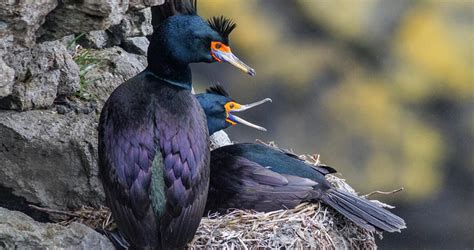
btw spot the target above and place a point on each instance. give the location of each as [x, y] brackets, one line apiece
[221, 109]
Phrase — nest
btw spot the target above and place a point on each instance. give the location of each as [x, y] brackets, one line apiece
[96, 218]
[309, 225]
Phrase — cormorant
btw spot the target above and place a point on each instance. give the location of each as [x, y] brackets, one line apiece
[220, 109]
[263, 178]
[153, 137]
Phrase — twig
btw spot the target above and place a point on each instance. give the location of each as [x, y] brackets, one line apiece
[53, 211]
[383, 192]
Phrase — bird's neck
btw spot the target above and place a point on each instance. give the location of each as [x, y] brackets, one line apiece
[215, 125]
[177, 74]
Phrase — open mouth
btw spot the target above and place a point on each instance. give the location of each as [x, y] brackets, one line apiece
[233, 119]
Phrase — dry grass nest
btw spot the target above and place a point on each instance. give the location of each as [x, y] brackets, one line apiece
[309, 225]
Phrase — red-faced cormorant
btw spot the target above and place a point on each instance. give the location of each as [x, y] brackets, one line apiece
[153, 137]
[220, 109]
[263, 178]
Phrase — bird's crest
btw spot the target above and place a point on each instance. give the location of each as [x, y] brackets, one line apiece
[183, 7]
[222, 25]
[218, 90]
[170, 8]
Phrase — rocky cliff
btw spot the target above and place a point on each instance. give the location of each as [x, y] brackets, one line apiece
[59, 61]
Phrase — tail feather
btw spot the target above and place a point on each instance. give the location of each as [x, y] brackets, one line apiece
[116, 237]
[370, 217]
[363, 212]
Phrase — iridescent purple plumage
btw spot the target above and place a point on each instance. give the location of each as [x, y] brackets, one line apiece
[153, 136]
[137, 127]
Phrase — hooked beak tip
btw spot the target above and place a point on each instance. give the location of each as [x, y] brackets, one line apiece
[234, 60]
[251, 72]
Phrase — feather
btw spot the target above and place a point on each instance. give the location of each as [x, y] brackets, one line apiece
[222, 25]
[218, 90]
[170, 8]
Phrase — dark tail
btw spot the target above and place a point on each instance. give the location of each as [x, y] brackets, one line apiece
[117, 239]
[363, 212]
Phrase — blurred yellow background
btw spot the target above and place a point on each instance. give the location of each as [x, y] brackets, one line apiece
[382, 89]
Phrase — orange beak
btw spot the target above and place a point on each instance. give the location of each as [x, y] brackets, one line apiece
[222, 53]
[233, 107]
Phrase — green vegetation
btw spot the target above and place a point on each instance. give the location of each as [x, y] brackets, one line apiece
[86, 62]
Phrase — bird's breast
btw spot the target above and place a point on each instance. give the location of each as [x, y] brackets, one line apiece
[184, 146]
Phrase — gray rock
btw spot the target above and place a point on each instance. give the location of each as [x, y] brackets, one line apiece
[82, 16]
[7, 75]
[6, 40]
[38, 145]
[140, 4]
[134, 23]
[136, 45]
[69, 80]
[18, 231]
[41, 73]
[50, 159]
[96, 39]
[116, 66]
[20, 20]
[69, 43]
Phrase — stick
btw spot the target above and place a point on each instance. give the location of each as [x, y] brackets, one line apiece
[53, 211]
[383, 192]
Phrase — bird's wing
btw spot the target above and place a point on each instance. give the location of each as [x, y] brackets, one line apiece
[186, 174]
[322, 168]
[240, 183]
[125, 157]
[172, 156]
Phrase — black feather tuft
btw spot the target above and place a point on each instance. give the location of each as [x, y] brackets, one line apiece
[218, 90]
[171, 8]
[222, 25]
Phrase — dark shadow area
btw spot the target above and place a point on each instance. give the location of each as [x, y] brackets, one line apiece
[12, 202]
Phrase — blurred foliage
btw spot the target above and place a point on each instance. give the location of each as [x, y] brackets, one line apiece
[437, 51]
[374, 86]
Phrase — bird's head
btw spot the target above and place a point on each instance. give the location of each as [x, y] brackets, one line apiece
[187, 38]
[220, 109]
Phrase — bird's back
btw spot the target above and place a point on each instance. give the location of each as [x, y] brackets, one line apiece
[254, 176]
[276, 160]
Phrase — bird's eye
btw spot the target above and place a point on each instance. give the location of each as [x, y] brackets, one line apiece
[231, 105]
[218, 45]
